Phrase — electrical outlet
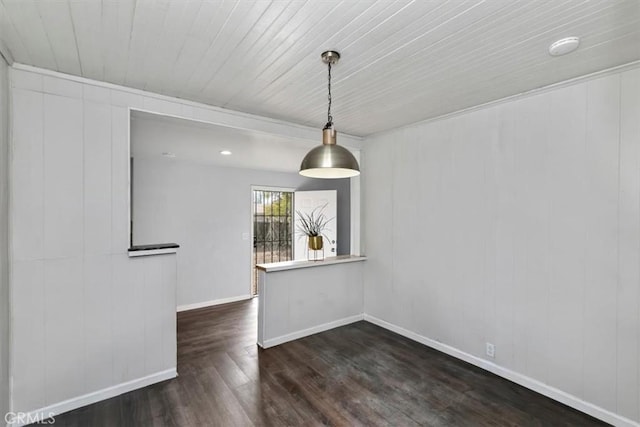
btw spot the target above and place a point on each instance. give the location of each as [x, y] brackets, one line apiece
[491, 350]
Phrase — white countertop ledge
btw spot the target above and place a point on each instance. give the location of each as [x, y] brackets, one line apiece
[153, 249]
[153, 252]
[293, 265]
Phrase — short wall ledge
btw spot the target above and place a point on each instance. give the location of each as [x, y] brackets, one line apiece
[293, 265]
[153, 249]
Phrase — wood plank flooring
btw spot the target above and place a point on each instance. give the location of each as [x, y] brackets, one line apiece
[358, 374]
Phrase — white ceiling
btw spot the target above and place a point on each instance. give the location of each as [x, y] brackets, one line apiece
[198, 142]
[402, 61]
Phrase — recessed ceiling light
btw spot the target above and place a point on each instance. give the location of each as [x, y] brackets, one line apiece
[564, 46]
[225, 152]
[168, 154]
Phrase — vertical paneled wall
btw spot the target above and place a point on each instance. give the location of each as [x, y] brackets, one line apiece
[85, 316]
[4, 240]
[519, 225]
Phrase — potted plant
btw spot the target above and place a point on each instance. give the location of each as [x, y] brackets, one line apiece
[313, 225]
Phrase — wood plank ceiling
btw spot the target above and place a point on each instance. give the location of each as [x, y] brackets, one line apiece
[403, 61]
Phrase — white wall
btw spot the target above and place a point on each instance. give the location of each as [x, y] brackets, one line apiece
[518, 224]
[85, 316]
[205, 209]
[4, 240]
[332, 296]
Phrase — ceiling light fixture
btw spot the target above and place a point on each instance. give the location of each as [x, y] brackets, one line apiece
[168, 154]
[564, 46]
[329, 160]
[225, 152]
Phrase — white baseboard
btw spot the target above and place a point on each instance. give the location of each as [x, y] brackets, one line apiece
[96, 396]
[310, 331]
[204, 304]
[523, 380]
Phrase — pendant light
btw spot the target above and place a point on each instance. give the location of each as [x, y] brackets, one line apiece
[329, 160]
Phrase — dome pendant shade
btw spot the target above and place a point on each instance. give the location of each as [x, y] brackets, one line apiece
[329, 160]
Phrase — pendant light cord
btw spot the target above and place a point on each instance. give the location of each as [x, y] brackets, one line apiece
[329, 118]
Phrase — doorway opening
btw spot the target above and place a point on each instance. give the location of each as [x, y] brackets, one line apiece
[272, 228]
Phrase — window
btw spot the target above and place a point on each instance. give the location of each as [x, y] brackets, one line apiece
[272, 229]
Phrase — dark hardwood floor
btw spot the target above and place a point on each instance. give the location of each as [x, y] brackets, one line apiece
[358, 374]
